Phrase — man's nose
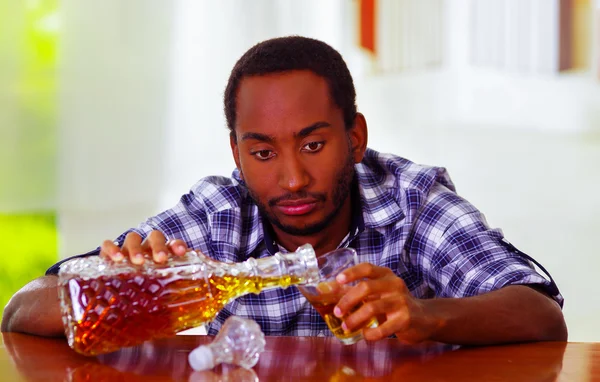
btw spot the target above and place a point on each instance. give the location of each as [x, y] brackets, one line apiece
[293, 176]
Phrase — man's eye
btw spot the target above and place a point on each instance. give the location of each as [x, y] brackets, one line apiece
[313, 146]
[263, 154]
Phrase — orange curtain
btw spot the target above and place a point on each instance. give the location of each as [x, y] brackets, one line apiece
[367, 24]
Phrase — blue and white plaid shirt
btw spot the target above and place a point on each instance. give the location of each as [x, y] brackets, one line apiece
[412, 222]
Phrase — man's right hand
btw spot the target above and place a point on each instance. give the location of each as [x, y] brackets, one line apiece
[155, 246]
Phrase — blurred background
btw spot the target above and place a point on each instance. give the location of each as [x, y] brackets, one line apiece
[110, 111]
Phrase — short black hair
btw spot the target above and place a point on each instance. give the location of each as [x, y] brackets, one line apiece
[293, 53]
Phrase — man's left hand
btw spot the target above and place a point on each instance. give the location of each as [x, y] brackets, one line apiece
[386, 298]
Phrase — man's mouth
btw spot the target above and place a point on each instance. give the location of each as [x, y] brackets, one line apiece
[296, 207]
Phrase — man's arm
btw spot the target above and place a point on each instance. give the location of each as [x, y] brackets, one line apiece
[35, 309]
[515, 313]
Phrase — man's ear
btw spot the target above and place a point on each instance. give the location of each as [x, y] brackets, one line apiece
[358, 137]
[235, 151]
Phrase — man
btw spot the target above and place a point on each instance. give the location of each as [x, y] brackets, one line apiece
[433, 269]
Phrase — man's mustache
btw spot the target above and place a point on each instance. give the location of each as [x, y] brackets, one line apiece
[297, 196]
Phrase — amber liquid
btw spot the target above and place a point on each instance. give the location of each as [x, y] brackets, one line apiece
[111, 312]
[335, 323]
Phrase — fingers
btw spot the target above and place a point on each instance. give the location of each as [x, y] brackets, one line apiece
[329, 288]
[368, 290]
[372, 310]
[402, 326]
[135, 248]
[110, 250]
[362, 271]
[177, 247]
[132, 247]
[409, 319]
[155, 244]
[382, 331]
[380, 294]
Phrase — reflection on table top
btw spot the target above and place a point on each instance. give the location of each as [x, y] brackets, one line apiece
[30, 358]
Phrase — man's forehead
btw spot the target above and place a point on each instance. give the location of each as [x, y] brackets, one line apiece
[298, 97]
[288, 83]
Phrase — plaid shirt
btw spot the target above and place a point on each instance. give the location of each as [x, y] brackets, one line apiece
[407, 217]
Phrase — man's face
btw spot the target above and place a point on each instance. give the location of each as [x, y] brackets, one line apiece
[293, 150]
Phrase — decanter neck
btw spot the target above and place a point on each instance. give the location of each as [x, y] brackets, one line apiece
[284, 269]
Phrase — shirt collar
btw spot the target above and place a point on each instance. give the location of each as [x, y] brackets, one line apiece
[378, 192]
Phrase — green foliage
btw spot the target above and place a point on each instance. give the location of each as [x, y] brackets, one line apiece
[29, 35]
[29, 248]
[29, 32]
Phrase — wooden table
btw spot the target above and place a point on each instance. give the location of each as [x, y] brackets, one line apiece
[30, 358]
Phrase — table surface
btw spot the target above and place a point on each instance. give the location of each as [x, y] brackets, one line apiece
[30, 358]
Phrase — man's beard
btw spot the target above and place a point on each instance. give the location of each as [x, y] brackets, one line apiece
[343, 184]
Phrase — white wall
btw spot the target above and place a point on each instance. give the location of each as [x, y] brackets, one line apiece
[114, 72]
[461, 93]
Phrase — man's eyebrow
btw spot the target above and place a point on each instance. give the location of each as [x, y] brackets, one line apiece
[258, 137]
[309, 130]
[301, 134]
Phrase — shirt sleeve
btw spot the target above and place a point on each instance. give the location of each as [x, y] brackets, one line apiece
[472, 259]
